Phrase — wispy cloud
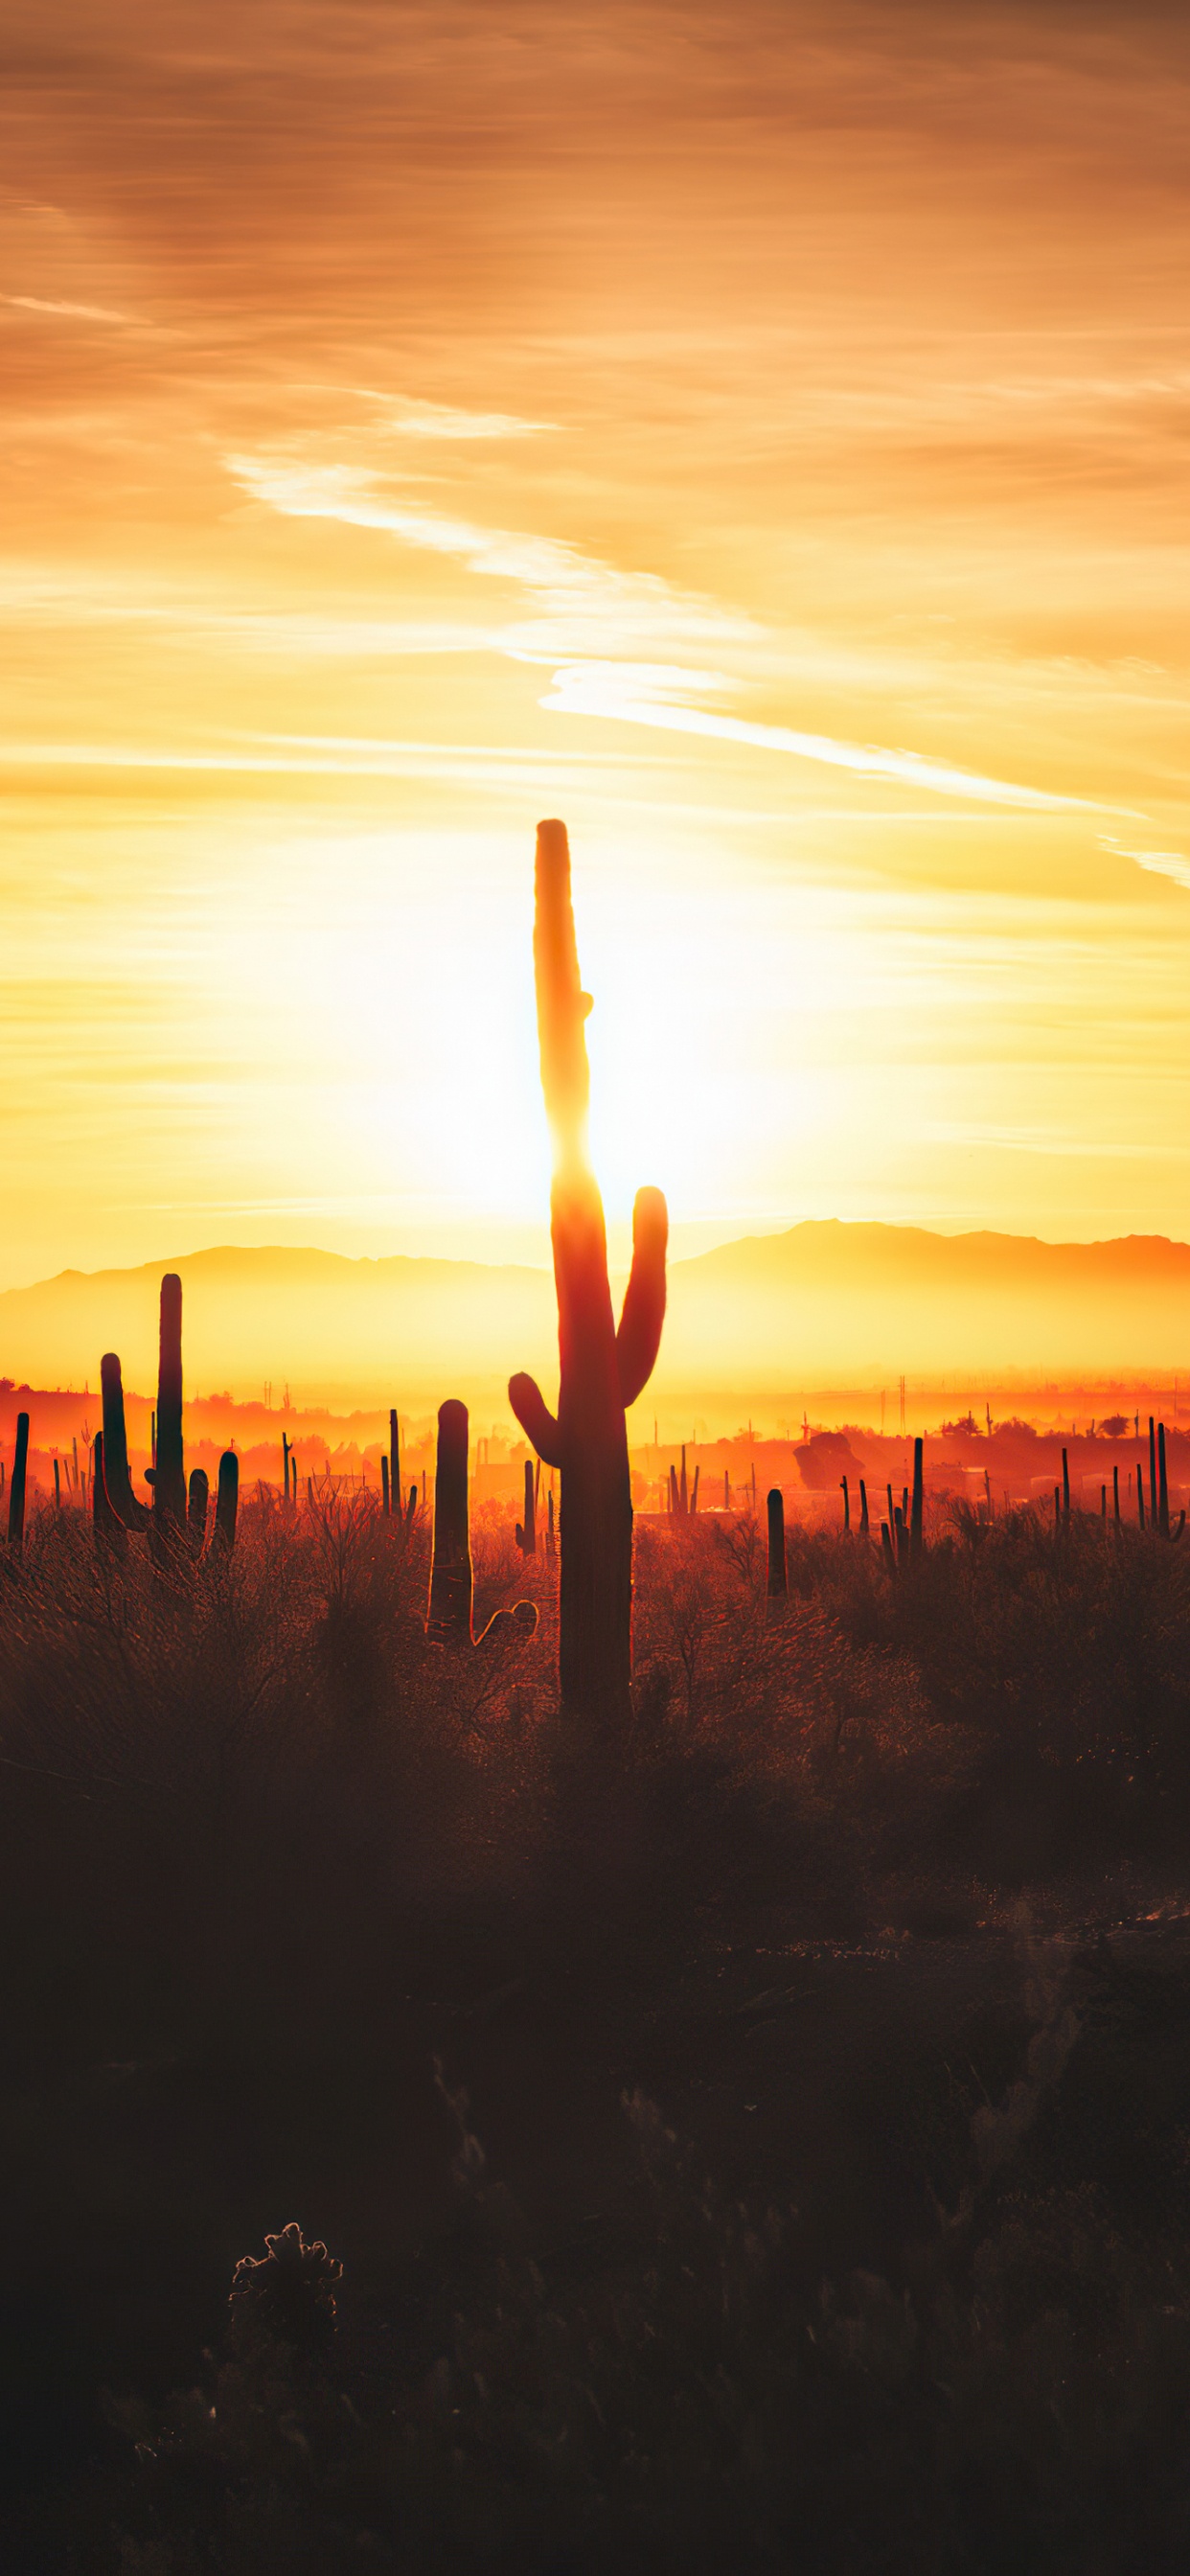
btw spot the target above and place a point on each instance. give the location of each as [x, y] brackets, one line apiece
[440, 420]
[1160, 863]
[633, 696]
[585, 603]
[578, 596]
[72, 312]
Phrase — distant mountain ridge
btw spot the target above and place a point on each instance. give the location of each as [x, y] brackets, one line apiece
[826, 1296]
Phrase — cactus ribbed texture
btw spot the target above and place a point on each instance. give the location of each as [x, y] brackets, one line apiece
[16, 1491]
[134, 1515]
[169, 1483]
[778, 1580]
[602, 1371]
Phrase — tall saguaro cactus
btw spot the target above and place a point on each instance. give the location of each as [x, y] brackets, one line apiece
[602, 1370]
[169, 1483]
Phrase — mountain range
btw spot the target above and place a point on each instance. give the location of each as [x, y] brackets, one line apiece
[825, 1301]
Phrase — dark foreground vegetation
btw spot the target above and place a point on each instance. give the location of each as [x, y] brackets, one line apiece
[759, 2142]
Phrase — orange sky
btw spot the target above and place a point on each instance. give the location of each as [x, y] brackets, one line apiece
[758, 434]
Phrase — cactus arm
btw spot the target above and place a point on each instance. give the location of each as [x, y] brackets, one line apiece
[539, 1425]
[643, 1313]
[116, 1477]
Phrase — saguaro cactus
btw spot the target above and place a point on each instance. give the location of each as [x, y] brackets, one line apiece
[602, 1371]
[451, 1580]
[198, 1499]
[778, 1579]
[16, 1493]
[227, 1500]
[526, 1530]
[169, 1481]
[114, 1453]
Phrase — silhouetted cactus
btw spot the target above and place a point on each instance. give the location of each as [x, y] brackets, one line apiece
[1163, 1492]
[451, 1578]
[133, 1515]
[602, 1371]
[526, 1530]
[106, 1523]
[846, 1503]
[169, 1477]
[864, 1523]
[227, 1501]
[1065, 1486]
[198, 1497]
[778, 1579]
[916, 1528]
[16, 1494]
[394, 1458]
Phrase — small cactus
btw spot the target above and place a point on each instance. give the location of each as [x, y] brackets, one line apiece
[778, 1578]
[526, 1530]
[451, 1578]
[227, 1499]
[16, 1494]
[134, 1515]
[198, 1497]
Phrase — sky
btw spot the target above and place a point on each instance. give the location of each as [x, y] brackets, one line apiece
[758, 434]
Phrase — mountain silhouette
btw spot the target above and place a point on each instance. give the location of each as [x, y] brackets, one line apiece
[824, 1300]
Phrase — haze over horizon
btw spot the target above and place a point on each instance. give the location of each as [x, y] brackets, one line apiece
[763, 1317]
[758, 436]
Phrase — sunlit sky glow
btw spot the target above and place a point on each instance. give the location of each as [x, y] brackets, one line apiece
[757, 434]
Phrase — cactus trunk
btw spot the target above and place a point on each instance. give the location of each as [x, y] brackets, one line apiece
[196, 1510]
[227, 1499]
[602, 1370]
[526, 1530]
[778, 1579]
[16, 1493]
[106, 1522]
[169, 1485]
[449, 1622]
[116, 1477]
